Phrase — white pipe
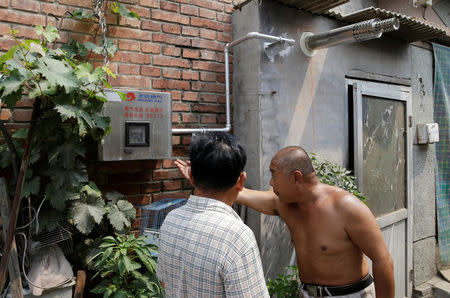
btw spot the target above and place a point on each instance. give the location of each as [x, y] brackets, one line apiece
[227, 127]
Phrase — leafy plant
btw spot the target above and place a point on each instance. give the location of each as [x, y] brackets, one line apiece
[333, 174]
[127, 268]
[69, 122]
[285, 285]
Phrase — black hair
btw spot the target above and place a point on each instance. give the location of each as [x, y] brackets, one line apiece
[217, 160]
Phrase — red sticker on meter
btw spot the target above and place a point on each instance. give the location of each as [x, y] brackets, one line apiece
[131, 96]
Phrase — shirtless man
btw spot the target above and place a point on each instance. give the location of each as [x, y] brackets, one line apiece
[330, 228]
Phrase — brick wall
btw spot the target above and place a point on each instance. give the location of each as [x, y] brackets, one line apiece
[176, 46]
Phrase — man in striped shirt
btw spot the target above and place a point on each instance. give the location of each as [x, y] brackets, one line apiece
[205, 250]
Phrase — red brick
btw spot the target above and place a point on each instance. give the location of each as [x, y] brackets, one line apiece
[139, 200]
[25, 102]
[122, 32]
[172, 39]
[78, 26]
[206, 13]
[127, 22]
[22, 17]
[208, 4]
[169, 61]
[129, 69]
[208, 76]
[129, 178]
[49, 8]
[198, 22]
[6, 44]
[170, 6]
[208, 34]
[5, 114]
[173, 195]
[176, 140]
[141, 11]
[171, 28]
[128, 45]
[149, 3]
[150, 71]
[186, 140]
[208, 108]
[4, 3]
[82, 37]
[189, 118]
[208, 97]
[131, 57]
[227, 28]
[151, 187]
[22, 115]
[148, 47]
[119, 166]
[169, 163]
[129, 1]
[176, 95]
[175, 118]
[229, 8]
[208, 119]
[211, 66]
[150, 25]
[222, 99]
[189, 10]
[169, 17]
[171, 51]
[190, 75]
[225, 37]
[225, 18]
[171, 84]
[208, 87]
[226, 1]
[207, 44]
[15, 126]
[129, 189]
[188, 53]
[171, 185]
[167, 174]
[190, 96]
[82, 3]
[189, 31]
[222, 119]
[180, 151]
[180, 107]
[187, 184]
[171, 73]
[208, 55]
[131, 81]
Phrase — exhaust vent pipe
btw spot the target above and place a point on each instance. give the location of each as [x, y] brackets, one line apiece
[365, 30]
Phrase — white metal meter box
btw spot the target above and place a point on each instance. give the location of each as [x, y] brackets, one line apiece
[427, 133]
[141, 126]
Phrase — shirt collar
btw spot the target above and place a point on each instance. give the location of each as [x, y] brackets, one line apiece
[211, 204]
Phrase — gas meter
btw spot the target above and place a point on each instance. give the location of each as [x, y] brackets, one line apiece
[141, 126]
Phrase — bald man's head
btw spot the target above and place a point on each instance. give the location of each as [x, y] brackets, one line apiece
[294, 158]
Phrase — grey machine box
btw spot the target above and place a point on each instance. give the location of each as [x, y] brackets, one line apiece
[141, 126]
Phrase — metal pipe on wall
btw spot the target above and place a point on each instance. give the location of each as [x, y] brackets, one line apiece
[361, 31]
[227, 127]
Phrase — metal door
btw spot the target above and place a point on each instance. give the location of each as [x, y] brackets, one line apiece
[382, 161]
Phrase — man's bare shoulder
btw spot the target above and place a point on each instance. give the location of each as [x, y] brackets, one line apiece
[345, 203]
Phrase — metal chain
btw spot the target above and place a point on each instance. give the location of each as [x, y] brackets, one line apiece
[98, 4]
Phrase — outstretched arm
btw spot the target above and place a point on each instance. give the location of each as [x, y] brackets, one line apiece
[261, 201]
[364, 231]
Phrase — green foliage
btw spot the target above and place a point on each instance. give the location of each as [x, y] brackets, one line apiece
[126, 267]
[70, 120]
[333, 174]
[285, 286]
[121, 10]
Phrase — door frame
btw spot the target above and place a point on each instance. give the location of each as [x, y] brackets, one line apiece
[398, 93]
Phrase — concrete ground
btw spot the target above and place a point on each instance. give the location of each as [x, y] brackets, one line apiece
[437, 287]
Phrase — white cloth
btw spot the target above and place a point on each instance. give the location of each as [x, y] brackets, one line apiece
[205, 250]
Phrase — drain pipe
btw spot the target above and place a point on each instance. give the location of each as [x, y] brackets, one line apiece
[227, 127]
[361, 31]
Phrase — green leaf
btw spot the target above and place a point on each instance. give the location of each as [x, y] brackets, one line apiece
[75, 48]
[50, 33]
[86, 214]
[66, 154]
[31, 187]
[121, 9]
[58, 73]
[92, 190]
[109, 73]
[113, 196]
[121, 214]
[21, 133]
[111, 47]
[12, 83]
[8, 55]
[37, 48]
[82, 14]
[67, 111]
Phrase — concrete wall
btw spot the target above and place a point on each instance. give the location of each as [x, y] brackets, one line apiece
[298, 100]
[424, 165]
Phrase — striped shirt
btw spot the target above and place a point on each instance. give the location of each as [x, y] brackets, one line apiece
[205, 250]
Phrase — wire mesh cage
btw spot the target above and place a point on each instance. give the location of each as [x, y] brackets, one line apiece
[153, 215]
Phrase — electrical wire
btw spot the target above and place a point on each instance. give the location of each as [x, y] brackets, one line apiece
[25, 274]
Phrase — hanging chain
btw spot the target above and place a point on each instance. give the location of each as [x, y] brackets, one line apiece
[98, 4]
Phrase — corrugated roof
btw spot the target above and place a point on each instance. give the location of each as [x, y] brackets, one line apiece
[314, 6]
[411, 29]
